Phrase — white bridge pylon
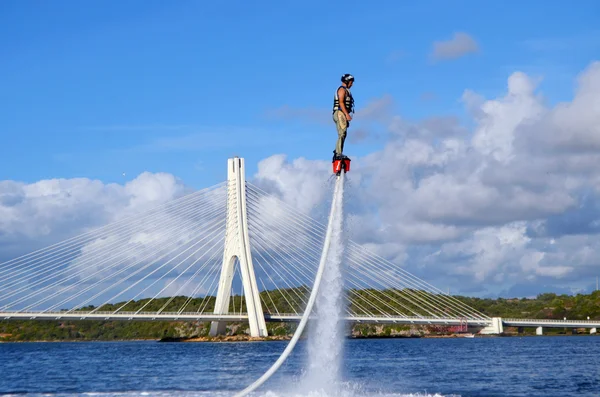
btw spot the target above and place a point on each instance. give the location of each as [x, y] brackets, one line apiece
[237, 245]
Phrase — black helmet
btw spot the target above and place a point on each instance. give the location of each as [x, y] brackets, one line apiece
[347, 77]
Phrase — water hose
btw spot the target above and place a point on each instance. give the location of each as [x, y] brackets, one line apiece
[311, 300]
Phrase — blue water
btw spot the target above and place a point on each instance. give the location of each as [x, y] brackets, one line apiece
[530, 366]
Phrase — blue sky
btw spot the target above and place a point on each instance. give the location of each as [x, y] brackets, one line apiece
[96, 89]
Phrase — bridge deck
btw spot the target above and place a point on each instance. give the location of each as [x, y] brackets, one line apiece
[285, 317]
[293, 317]
[525, 322]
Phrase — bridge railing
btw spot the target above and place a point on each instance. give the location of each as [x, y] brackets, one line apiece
[233, 314]
[107, 313]
[548, 321]
[419, 319]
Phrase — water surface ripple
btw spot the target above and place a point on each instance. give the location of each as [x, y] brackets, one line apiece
[530, 366]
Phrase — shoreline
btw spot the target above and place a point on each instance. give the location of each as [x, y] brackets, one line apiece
[281, 338]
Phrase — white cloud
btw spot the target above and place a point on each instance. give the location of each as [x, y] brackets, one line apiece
[499, 120]
[50, 211]
[459, 45]
[53, 206]
[298, 183]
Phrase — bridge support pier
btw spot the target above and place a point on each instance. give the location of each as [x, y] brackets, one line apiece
[496, 328]
[237, 245]
[592, 331]
[539, 331]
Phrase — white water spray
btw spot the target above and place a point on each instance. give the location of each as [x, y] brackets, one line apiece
[326, 339]
[335, 209]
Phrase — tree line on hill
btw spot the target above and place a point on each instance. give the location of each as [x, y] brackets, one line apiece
[544, 306]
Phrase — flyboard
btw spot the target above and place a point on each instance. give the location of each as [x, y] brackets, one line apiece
[340, 163]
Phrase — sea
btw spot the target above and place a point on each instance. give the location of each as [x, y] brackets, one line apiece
[470, 367]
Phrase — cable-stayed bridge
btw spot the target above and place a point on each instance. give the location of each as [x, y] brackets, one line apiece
[230, 252]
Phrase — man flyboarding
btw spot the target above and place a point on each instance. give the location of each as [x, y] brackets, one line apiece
[343, 105]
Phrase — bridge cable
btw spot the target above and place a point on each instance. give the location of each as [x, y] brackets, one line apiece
[446, 305]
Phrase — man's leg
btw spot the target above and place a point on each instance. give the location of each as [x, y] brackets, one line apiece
[342, 126]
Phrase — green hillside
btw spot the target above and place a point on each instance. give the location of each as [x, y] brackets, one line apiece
[547, 306]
